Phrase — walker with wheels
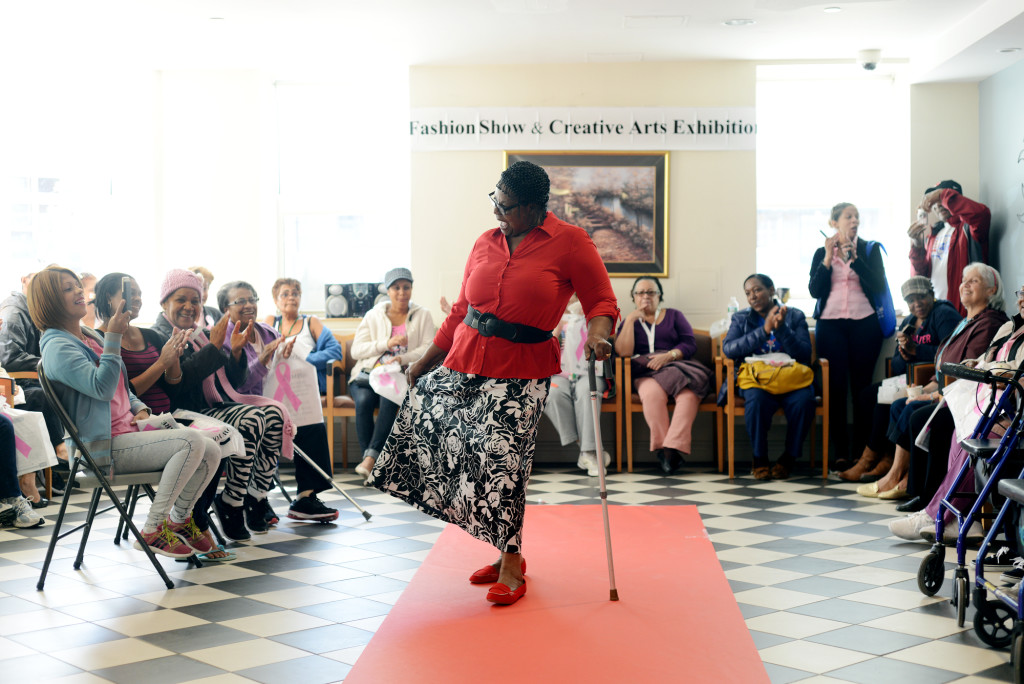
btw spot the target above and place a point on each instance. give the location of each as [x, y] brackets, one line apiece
[995, 453]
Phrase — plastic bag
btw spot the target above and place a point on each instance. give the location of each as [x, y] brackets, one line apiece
[388, 380]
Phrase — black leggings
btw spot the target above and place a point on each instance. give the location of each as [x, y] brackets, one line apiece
[851, 348]
[928, 468]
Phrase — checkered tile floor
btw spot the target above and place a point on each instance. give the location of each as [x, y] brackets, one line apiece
[827, 594]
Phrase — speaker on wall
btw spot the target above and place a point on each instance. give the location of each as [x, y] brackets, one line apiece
[350, 300]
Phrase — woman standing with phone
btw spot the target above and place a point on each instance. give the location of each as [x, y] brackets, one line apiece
[846, 274]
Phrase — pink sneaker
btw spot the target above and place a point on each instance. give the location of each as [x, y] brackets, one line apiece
[190, 533]
[166, 543]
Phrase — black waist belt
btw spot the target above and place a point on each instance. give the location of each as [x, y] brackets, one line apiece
[489, 325]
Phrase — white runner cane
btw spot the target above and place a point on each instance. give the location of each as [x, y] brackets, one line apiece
[331, 481]
[613, 593]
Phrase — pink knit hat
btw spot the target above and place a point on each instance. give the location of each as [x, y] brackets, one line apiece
[178, 278]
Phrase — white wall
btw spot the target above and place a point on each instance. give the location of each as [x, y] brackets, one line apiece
[712, 198]
[1002, 171]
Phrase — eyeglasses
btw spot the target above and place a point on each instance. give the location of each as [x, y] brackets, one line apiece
[288, 294]
[1019, 293]
[243, 301]
[646, 293]
[502, 209]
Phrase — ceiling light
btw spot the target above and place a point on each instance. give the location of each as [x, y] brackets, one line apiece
[1009, 50]
[739, 22]
[833, 10]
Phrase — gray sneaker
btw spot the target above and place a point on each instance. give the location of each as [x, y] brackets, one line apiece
[19, 513]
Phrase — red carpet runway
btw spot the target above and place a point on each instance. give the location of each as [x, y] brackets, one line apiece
[675, 621]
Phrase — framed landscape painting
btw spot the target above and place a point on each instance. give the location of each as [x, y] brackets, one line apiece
[619, 198]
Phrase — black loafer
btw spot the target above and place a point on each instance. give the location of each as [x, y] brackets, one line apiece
[911, 505]
[42, 503]
[675, 459]
[663, 459]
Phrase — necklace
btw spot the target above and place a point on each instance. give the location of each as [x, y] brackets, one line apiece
[292, 327]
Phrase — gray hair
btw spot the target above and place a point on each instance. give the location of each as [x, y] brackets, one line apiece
[991, 278]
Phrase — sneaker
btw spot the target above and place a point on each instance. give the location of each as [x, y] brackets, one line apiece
[6, 514]
[998, 561]
[910, 527]
[166, 543]
[588, 461]
[232, 520]
[311, 508]
[1014, 575]
[19, 513]
[255, 515]
[269, 515]
[191, 535]
[949, 534]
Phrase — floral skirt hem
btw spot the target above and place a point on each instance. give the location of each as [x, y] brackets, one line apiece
[461, 450]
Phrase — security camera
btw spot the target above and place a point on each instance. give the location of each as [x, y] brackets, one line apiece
[869, 59]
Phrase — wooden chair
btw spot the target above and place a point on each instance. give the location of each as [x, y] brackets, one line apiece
[47, 472]
[734, 408]
[707, 353]
[337, 403]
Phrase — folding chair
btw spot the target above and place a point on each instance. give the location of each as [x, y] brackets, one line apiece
[91, 477]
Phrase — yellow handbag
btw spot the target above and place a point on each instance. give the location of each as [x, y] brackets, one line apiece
[774, 379]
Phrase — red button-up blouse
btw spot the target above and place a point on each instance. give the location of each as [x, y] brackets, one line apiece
[530, 286]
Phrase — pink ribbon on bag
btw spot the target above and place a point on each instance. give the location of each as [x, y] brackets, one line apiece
[386, 380]
[22, 446]
[283, 373]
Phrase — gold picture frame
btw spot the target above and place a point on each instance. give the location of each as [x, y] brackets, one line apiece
[619, 198]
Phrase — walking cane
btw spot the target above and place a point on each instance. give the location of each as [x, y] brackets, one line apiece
[595, 401]
[331, 481]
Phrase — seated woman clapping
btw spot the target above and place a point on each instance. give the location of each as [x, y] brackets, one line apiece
[768, 327]
[237, 300]
[153, 364]
[92, 383]
[208, 378]
[314, 342]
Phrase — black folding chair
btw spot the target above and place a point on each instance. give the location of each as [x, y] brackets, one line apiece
[90, 476]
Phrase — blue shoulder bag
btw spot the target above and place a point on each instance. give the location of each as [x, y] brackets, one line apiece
[883, 301]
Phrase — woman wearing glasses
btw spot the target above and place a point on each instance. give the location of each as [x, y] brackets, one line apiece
[394, 331]
[659, 341]
[237, 301]
[314, 342]
[462, 447]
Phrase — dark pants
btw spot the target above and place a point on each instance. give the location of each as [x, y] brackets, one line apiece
[851, 348]
[372, 435]
[8, 463]
[928, 468]
[758, 410]
[312, 439]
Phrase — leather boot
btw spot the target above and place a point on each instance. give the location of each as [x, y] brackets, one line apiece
[866, 462]
[880, 469]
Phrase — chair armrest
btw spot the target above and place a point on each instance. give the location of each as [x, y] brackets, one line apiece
[335, 370]
[729, 375]
[921, 373]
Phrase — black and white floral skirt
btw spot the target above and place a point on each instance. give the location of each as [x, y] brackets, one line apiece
[461, 450]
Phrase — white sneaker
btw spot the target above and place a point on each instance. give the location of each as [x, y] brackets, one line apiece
[21, 513]
[975, 534]
[910, 527]
[588, 461]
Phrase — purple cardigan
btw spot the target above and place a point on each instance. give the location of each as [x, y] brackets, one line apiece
[674, 332]
[257, 371]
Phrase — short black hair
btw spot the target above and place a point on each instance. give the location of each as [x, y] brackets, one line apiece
[765, 280]
[222, 293]
[661, 291]
[527, 182]
[105, 288]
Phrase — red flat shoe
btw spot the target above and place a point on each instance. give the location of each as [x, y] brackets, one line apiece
[489, 574]
[503, 596]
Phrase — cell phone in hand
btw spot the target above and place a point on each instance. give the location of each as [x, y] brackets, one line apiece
[126, 291]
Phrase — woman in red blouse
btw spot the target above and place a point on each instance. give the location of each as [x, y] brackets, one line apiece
[462, 445]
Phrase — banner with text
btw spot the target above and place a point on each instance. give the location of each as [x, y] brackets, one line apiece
[582, 128]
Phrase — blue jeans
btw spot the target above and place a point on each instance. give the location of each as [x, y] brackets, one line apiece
[759, 408]
[372, 435]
